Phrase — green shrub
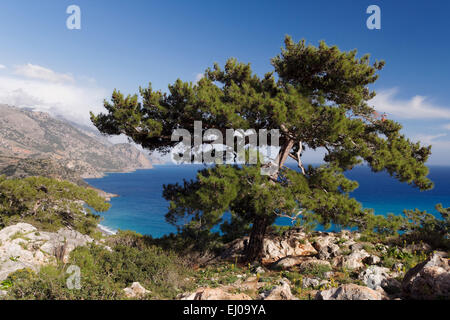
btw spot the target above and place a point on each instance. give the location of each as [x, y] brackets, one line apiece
[104, 275]
[426, 227]
[49, 204]
[316, 270]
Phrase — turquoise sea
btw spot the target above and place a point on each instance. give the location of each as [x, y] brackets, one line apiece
[141, 207]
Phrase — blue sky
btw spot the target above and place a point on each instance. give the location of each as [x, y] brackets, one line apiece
[126, 44]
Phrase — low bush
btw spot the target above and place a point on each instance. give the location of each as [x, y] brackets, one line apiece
[49, 204]
[104, 275]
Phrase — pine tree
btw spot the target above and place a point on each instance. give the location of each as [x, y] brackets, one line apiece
[320, 100]
[49, 204]
[423, 226]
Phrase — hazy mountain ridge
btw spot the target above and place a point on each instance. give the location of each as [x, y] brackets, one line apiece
[26, 134]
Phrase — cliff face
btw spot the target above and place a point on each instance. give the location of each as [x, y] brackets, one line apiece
[134, 155]
[35, 135]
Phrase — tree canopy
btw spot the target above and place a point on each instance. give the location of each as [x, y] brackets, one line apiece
[318, 97]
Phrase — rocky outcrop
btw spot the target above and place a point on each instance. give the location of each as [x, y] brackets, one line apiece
[310, 283]
[429, 279]
[349, 292]
[352, 261]
[136, 290]
[213, 294]
[295, 245]
[23, 246]
[326, 247]
[279, 292]
[287, 262]
[291, 244]
[375, 277]
[380, 278]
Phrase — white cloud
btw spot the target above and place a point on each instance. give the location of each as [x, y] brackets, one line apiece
[198, 77]
[428, 138]
[32, 71]
[2, 66]
[69, 100]
[417, 107]
[440, 153]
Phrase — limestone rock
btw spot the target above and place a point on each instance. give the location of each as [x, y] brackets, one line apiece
[375, 277]
[136, 290]
[63, 242]
[280, 292]
[292, 243]
[278, 248]
[348, 243]
[287, 262]
[345, 234]
[326, 247]
[428, 280]
[302, 262]
[349, 292]
[310, 283]
[260, 270]
[23, 246]
[250, 284]
[354, 260]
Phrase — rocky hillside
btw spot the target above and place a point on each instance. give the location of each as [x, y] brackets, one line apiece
[25, 134]
[325, 266]
[22, 168]
[295, 265]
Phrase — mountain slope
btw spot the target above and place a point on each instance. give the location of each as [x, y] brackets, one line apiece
[25, 134]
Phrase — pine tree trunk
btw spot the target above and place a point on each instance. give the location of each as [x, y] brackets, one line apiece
[254, 248]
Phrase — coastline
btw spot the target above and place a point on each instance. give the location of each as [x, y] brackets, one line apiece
[105, 230]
